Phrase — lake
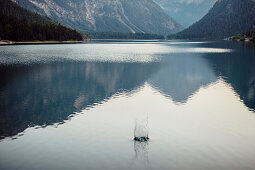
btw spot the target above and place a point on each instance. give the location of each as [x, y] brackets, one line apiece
[75, 106]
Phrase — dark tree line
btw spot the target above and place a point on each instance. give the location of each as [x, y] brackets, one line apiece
[118, 35]
[250, 33]
[9, 8]
[19, 24]
[21, 30]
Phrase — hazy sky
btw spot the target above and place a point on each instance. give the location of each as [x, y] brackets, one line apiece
[186, 12]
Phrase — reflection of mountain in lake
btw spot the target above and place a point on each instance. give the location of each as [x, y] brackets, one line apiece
[182, 76]
[237, 69]
[47, 94]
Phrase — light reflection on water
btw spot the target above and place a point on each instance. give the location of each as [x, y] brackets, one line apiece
[72, 106]
[102, 52]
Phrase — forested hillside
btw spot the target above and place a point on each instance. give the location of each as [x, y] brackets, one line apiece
[225, 19]
[19, 24]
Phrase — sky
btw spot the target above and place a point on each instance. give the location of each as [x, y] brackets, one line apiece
[186, 12]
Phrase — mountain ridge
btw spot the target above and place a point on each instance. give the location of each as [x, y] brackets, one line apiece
[133, 16]
[226, 18]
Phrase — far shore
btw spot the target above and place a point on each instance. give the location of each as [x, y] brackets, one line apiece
[7, 42]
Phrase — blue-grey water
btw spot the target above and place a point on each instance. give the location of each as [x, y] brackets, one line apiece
[74, 106]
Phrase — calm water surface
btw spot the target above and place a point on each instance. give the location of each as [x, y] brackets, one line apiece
[75, 106]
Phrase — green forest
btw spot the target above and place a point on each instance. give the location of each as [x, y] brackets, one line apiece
[245, 36]
[250, 33]
[19, 24]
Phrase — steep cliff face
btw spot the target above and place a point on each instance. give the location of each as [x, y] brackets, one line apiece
[142, 16]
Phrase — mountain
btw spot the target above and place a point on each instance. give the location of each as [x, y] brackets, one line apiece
[129, 16]
[225, 19]
[186, 12]
[19, 24]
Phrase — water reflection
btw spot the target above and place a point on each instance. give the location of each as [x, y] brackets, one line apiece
[141, 153]
[237, 69]
[182, 75]
[45, 94]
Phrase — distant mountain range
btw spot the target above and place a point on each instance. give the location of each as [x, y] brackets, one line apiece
[225, 19]
[131, 16]
[186, 12]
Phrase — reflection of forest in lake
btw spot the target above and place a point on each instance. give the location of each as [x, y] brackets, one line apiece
[184, 74]
[44, 94]
[237, 69]
[47, 94]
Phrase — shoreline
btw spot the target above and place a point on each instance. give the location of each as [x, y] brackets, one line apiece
[7, 42]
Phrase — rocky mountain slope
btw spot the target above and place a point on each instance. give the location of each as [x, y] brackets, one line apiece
[135, 16]
[226, 18]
